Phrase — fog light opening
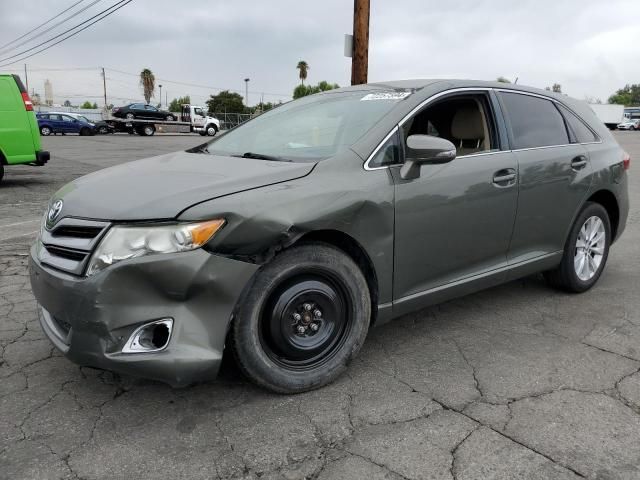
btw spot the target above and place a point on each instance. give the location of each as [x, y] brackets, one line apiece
[151, 337]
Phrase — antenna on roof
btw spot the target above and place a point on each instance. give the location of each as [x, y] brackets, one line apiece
[516, 80]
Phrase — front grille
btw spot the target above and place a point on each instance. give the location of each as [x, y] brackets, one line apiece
[65, 253]
[77, 231]
[69, 244]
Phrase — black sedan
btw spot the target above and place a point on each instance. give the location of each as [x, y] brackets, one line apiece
[141, 110]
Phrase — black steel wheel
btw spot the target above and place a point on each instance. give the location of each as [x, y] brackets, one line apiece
[303, 319]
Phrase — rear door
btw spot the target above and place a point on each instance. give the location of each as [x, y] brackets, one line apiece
[554, 174]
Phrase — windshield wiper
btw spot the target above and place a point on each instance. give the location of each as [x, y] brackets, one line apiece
[261, 156]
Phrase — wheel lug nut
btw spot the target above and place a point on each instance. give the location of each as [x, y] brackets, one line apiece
[296, 317]
[301, 329]
[317, 313]
[314, 327]
[307, 306]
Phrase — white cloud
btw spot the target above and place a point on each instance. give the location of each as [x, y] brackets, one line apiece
[588, 46]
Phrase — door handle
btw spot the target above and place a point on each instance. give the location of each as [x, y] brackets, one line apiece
[505, 177]
[579, 162]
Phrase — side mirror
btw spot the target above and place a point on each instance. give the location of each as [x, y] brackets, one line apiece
[425, 150]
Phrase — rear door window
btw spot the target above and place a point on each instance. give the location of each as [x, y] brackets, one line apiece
[581, 132]
[535, 121]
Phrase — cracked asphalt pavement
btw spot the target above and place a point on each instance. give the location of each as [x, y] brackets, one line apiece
[516, 382]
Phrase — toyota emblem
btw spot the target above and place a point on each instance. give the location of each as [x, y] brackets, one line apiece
[54, 211]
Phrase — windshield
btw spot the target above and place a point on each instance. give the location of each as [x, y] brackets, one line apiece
[312, 128]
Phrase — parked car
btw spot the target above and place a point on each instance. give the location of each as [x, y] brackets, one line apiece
[101, 126]
[63, 123]
[142, 111]
[630, 124]
[19, 137]
[314, 221]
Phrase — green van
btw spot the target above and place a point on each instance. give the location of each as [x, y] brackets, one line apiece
[19, 134]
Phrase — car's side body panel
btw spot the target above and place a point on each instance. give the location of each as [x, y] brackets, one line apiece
[19, 136]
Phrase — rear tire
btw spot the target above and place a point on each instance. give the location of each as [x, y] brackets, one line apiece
[170, 118]
[45, 131]
[302, 320]
[585, 253]
[129, 116]
[147, 131]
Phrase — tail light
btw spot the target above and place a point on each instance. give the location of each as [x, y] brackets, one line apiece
[28, 105]
[626, 161]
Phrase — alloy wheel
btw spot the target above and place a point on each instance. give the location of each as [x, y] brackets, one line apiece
[590, 246]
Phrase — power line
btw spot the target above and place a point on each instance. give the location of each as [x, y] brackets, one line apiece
[195, 85]
[41, 25]
[51, 27]
[126, 2]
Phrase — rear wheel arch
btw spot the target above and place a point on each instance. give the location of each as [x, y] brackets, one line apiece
[356, 252]
[610, 203]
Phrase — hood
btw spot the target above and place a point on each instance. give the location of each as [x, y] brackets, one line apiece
[162, 187]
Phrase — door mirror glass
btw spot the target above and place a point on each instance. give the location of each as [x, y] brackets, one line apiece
[425, 150]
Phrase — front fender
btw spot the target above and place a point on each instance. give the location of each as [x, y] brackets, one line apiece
[337, 195]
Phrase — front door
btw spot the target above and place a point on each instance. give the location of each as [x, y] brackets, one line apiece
[455, 221]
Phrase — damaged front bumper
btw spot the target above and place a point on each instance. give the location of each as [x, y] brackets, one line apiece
[90, 319]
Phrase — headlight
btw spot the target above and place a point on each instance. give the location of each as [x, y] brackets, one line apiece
[125, 242]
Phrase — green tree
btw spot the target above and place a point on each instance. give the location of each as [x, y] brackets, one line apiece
[556, 87]
[176, 103]
[503, 80]
[95, 105]
[303, 68]
[304, 90]
[148, 84]
[86, 104]
[628, 96]
[226, 102]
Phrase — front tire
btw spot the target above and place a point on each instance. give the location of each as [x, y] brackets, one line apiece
[302, 320]
[211, 130]
[170, 118]
[585, 253]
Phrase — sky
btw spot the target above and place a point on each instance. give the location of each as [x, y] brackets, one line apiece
[590, 47]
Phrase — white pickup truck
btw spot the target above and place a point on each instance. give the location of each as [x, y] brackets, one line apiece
[192, 118]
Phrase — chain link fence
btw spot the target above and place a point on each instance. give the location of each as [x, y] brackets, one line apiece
[230, 120]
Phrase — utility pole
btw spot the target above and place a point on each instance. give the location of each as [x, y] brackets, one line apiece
[160, 95]
[360, 59]
[246, 91]
[26, 77]
[104, 87]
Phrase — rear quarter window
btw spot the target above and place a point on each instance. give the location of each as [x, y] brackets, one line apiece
[582, 133]
[535, 122]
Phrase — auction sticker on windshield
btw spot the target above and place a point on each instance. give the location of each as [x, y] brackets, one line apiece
[386, 96]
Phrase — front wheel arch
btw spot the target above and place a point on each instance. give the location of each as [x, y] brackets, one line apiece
[351, 247]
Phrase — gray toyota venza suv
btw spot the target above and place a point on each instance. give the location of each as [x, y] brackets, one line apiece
[286, 239]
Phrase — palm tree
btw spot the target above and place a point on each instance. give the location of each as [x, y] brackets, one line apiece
[148, 83]
[304, 69]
